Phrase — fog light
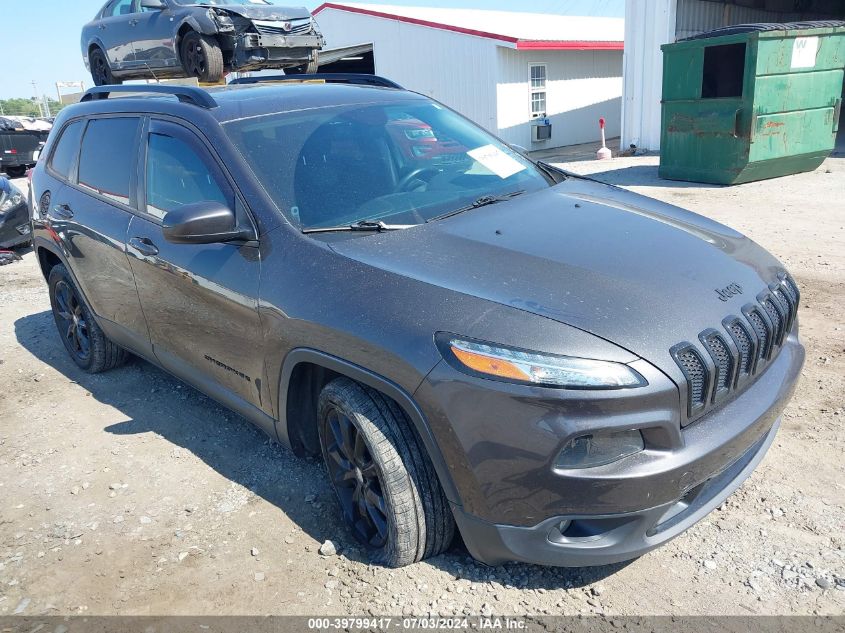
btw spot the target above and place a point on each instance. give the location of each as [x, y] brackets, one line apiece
[599, 448]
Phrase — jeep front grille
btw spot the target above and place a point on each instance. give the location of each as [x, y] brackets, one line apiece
[694, 369]
[737, 351]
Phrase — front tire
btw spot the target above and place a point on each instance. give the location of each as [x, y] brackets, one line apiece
[101, 72]
[385, 483]
[202, 58]
[86, 343]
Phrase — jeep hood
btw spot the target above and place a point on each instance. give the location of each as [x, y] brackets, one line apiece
[263, 12]
[629, 269]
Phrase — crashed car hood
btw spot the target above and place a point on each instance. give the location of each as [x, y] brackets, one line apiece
[264, 12]
[629, 269]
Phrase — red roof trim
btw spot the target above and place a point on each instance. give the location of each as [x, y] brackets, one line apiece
[569, 45]
[537, 45]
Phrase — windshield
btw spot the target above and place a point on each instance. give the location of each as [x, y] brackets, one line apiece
[401, 163]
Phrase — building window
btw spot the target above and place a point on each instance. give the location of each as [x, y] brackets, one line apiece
[538, 90]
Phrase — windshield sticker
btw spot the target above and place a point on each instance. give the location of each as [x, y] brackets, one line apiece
[495, 160]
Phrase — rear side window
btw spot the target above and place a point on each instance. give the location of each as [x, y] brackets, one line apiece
[106, 159]
[121, 7]
[177, 175]
[66, 150]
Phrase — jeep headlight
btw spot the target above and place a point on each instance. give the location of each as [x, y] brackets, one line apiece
[514, 365]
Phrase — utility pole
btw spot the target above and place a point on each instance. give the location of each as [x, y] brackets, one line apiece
[36, 99]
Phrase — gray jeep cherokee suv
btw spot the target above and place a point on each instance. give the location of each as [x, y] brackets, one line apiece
[567, 372]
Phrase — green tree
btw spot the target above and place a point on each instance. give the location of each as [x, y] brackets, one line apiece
[27, 107]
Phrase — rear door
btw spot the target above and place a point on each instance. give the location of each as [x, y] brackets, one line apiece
[90, 216]
[115, 30]
[200, 300]
[154, 37]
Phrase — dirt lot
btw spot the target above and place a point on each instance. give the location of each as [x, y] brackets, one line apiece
[131, 493]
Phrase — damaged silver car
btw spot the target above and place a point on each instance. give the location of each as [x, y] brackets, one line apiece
[156, 39]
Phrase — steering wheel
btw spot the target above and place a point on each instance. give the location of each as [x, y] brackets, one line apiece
[414, 174]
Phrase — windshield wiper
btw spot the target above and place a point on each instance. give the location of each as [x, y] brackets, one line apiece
[361, 225]
[553, 172]
[483, 201]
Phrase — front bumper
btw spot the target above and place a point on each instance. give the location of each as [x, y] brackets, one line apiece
[252, 50]
[604, 540]
[502, 447]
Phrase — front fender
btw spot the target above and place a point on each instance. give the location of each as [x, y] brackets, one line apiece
[202, 24]
[377, 382]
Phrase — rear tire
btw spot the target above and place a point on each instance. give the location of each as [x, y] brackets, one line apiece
[86, 343]
[202, 58]
[100, 70]
[18, 171]
[385, 483]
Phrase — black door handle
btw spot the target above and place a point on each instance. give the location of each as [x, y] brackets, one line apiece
[144, 245]
[63, 211]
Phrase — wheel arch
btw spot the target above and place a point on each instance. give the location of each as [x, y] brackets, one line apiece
[306, 371]
[96, 45]
[192, 24]
[47, 258]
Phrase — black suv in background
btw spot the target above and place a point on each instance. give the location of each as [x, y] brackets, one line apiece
[570, 373]
[155, 39]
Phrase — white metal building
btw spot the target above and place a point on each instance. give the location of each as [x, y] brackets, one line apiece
[504, 70]
[651, 23]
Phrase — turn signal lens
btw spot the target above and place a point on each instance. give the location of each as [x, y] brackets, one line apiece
[489, 364]
[542, 369]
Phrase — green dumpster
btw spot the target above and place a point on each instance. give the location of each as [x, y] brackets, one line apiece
[750, 102]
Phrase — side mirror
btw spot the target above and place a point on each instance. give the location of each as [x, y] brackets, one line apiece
[202, 223]
[155, 5]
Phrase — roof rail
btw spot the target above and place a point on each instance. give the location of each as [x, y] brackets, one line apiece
[331, 78]
[185, 94]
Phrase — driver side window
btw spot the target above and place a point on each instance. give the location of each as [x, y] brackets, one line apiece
[177, 175]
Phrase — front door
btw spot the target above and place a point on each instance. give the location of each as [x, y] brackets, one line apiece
[155, 37]
[200, 300]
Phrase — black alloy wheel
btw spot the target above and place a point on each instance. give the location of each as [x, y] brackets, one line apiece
[100, 71]
[86, 343]
[72, 322]
[195, 61]
[385, 483]
[356, 479]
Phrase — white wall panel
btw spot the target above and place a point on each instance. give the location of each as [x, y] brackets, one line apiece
[648, 25]
[581, 87]
[456, 69]
[487, 81]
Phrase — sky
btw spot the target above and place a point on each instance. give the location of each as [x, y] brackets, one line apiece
[40, 38]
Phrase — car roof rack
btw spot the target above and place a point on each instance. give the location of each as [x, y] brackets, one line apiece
[185, 94]
[331, 78]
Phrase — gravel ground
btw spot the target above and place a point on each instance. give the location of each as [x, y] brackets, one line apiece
[131, 493]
